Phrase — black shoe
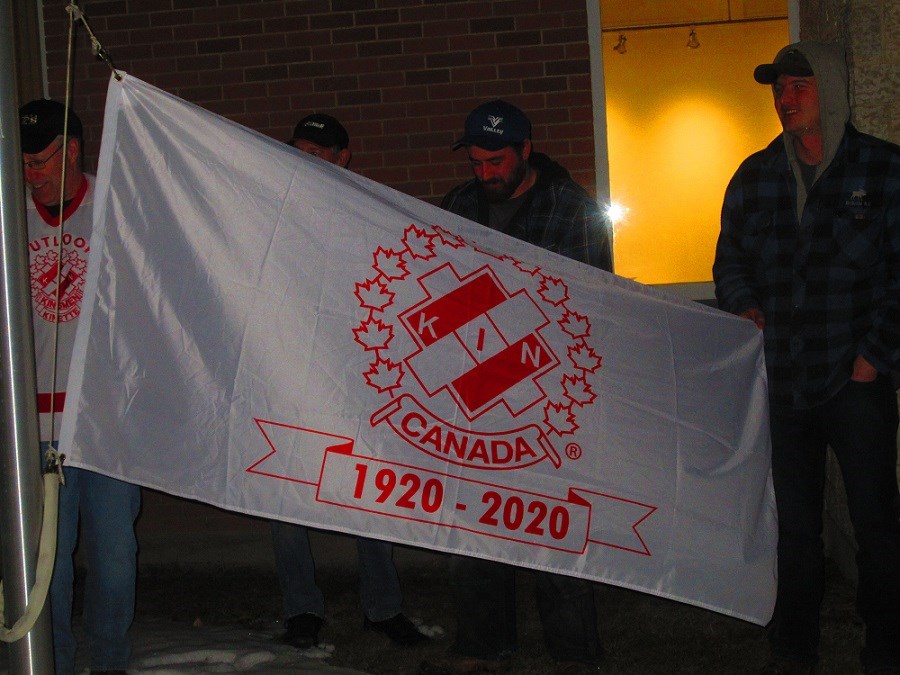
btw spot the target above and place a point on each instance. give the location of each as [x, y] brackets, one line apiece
[884, 661]
[464, 665]
[302, 631]
[398, 628]
[780, 665]
[577, 667]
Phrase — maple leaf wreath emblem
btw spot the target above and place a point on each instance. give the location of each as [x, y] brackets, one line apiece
[400, 277]
[48, 283]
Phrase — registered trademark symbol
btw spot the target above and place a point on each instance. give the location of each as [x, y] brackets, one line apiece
[573, 451]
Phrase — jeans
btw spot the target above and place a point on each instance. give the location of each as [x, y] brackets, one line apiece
[485, 598]
[860, 425]
[379, 586]
[108, 509]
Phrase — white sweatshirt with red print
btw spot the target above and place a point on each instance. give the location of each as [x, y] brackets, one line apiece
[56, 294]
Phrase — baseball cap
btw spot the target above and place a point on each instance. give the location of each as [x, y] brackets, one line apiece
[789, 61]
[495, 125]
[322, 130]
[41, 121]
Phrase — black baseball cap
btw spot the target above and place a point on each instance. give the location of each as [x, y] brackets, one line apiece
[789, 61]
[495, 125]
[322, 130]
[42, 120]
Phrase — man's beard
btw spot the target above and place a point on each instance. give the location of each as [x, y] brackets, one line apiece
[498, 190]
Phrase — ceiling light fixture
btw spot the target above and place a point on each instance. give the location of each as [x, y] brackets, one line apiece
[693, 42]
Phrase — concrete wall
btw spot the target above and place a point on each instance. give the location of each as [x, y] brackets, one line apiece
[870, 30]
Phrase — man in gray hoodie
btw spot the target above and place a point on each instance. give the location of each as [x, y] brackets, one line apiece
[810, 252]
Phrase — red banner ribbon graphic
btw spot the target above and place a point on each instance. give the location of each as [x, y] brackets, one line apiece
[339, 477]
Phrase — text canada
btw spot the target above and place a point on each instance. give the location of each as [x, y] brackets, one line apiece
[472, 448]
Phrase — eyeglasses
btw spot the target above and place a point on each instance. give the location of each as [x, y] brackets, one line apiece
[37, 164]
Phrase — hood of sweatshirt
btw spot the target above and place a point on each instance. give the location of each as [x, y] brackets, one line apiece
[829, 67]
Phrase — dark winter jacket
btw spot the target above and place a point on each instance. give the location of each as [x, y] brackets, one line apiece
[557, 214]
[822, 265]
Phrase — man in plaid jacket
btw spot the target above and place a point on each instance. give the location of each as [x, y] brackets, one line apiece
[810, 251]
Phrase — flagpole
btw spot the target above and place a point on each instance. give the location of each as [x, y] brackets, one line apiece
[20, 461]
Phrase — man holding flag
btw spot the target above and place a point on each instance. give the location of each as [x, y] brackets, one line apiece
[322, 136]
[530, 197]
[60, 220]
[810, 252]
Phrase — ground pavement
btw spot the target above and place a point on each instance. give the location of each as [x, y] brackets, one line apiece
[207, 590]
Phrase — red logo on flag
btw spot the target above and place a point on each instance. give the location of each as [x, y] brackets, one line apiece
[496, 342]
[478, 341]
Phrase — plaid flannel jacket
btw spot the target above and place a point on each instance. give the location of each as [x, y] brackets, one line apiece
[829, 285]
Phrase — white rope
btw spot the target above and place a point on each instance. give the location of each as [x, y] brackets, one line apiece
[96, 48]
[53, 477]
[75, 14]
[59, 242]
[46, 556]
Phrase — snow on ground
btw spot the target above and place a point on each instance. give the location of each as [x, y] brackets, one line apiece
[163, 648]
[170, 648]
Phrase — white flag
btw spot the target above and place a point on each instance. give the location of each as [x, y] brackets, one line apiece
[278, 336]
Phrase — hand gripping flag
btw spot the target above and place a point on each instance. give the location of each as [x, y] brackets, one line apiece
[278, 336]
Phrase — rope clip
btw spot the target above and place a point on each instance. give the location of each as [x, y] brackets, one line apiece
[55, 465]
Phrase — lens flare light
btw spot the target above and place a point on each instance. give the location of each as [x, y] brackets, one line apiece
[616, 213]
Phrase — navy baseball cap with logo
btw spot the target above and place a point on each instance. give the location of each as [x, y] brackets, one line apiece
[495, 125]
[789, 61]
[322, 130]
[41, 121]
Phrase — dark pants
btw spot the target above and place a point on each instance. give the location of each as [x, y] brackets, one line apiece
[860, 425]
[485, 600]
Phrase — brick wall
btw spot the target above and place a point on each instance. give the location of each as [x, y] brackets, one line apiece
[400, 74]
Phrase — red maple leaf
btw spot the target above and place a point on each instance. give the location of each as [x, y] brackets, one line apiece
[40, 264]
[373, 334]
[554, 291]
[418, 242]
[495, 256]
[390, 264]
[584, 358]
[384, 375]
[559, 418]
[578, 390]
[448, 238]
[576, 325]
[78, 264]
[373, 294]
[527, 269]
